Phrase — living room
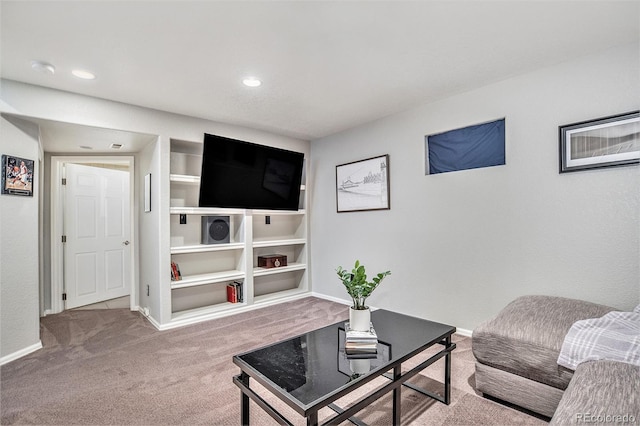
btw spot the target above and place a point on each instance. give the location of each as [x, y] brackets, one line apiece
[460, 245]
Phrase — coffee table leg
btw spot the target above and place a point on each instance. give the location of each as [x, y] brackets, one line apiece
[244, 402]
[397, 396]
[312, 419]
[447, 373]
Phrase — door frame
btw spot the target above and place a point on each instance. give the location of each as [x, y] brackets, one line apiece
[57, 224]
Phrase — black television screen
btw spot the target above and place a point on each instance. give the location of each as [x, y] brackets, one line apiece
[239, 174]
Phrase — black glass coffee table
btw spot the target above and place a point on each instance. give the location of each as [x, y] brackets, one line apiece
[311, 371]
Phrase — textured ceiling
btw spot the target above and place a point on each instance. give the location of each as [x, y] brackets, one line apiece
[325, 65]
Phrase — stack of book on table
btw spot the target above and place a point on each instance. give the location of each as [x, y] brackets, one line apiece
[360, 343]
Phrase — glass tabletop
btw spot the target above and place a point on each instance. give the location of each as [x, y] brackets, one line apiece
[313, 366]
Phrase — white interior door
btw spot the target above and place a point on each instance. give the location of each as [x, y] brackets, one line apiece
[97, 228]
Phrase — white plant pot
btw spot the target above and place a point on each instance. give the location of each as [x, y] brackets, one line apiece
[359, 320]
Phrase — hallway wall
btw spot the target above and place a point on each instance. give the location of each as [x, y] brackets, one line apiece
[19, 257]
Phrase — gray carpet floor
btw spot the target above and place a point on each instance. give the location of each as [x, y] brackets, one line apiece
[111, 367]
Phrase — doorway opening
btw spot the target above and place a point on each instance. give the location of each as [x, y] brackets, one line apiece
[92, 232]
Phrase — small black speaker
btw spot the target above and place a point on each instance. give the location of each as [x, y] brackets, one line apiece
[215, 229]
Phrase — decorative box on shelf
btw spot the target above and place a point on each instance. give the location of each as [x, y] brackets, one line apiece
[272, 260]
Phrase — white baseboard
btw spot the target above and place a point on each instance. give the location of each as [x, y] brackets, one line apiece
[145, 313]
[22, 352]
[331, 298]
[195, 320]
[464, 332]
[175, 323]
[460, 331]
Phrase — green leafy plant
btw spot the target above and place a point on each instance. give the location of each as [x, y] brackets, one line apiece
[357, 285]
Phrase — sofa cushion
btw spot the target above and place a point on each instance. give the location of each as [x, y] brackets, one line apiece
[601, 392]
[525, 338]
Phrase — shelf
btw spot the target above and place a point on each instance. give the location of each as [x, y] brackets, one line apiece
[189, 179]
[206, 310]
[279, 243]
[204, 210]
[201, 294]
[226, 211]
[201, 248]
[278, 212]
[186, 147]
[261, 272]
[281, 296]
[203, 279]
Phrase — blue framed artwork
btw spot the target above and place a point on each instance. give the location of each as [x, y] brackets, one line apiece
[472, 147]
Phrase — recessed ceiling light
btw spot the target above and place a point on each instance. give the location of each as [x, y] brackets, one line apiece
[115, 146]
[43, 67]
[85, 75]
[251, 82]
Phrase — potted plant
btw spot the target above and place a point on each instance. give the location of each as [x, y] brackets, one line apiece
[355, 281]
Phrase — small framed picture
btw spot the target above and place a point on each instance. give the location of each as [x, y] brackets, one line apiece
[363, 185]
[17, 176]
[604, 142]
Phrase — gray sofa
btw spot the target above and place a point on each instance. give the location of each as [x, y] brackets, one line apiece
[516, 361]
[601, 392]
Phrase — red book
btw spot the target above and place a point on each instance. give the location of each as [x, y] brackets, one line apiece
[178, 273]
[232, 295]
[174, 272]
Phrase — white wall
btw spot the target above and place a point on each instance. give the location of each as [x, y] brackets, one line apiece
[19, 258]
[149, 234]
[462, 245]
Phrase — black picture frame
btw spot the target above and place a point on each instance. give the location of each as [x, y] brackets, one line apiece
[17, 175]
[604, 142]
[363, 185]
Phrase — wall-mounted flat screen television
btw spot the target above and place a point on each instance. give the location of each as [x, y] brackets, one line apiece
[239, 174]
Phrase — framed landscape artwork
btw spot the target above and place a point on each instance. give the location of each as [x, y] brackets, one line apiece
[17, 176]
[363, 185]
[604, 142]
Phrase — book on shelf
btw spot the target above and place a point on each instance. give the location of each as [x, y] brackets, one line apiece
[232, 296]
[239, 290]
[235, 292]
[175, 272]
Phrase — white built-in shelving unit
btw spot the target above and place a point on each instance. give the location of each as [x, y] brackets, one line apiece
[206, 269]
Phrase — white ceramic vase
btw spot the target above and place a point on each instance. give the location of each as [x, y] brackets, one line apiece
[360, 366]
[359, 319]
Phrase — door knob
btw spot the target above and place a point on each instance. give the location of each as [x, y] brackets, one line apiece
[126, 243]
